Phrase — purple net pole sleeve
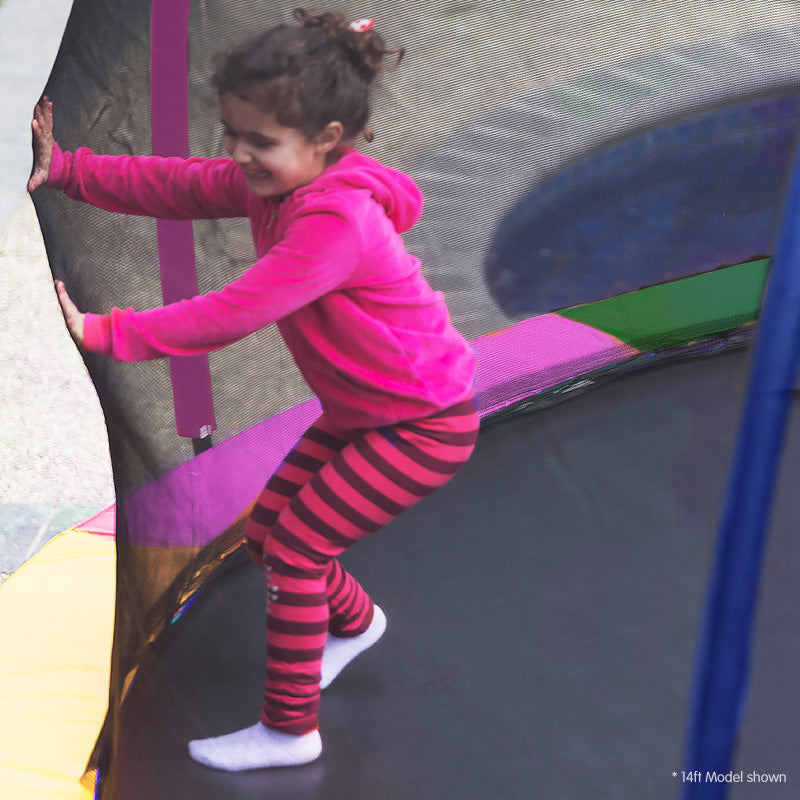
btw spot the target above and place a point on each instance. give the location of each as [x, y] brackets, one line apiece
[725, 650]
[169, 108]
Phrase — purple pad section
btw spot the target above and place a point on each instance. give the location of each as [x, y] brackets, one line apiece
[517, 362]
[228, 477]
[169, 111]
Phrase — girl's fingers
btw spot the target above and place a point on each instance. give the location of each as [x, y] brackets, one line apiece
[68, 307]
[72, 316]
[43, 115]
[42, 129]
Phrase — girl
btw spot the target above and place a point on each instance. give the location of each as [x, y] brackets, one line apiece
[371, 338]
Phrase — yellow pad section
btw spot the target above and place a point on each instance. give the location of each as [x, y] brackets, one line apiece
[56, 625]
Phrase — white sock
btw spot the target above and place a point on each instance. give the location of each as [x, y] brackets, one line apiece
[256, 747]
[339, 652]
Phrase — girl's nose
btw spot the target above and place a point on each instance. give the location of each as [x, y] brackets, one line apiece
[238, 152]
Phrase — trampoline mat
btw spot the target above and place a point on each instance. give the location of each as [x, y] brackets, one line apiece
[543, 615]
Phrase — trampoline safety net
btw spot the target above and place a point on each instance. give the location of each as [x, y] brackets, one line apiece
[603, 183]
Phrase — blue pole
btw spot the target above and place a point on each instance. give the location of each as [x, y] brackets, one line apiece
[722, 670]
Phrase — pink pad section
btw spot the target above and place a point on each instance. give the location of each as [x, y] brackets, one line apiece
[102, 523]
[538, 354]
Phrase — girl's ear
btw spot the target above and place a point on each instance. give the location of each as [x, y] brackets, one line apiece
[329, 137]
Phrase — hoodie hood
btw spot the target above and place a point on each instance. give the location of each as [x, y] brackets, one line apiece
[395, 191]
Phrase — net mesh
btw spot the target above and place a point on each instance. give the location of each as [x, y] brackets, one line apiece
[552, 142]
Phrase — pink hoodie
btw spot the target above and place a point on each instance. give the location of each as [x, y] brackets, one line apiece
[370, 336]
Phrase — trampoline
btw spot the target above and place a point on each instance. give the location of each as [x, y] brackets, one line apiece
[544, 654]
[604, 191]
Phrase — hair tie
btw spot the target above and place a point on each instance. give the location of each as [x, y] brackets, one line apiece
[361, 25]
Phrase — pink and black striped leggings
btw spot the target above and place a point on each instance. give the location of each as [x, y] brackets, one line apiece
[333, 489]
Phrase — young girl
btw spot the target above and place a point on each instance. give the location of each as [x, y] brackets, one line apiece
[371, 338]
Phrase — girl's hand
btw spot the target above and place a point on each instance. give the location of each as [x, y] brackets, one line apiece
[42, 127]
[72, 316]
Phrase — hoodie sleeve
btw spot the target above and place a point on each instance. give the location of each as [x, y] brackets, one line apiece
[167, 188]
[317, 255]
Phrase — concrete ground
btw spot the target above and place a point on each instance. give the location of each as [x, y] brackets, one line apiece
[54, 465]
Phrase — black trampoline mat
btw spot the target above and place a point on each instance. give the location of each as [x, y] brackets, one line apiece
[543, 613]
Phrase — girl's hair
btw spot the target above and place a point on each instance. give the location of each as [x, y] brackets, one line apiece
[310, 74]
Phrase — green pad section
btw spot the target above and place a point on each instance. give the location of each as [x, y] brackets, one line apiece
[685, 311]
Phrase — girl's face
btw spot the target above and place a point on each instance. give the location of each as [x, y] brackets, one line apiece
[275, 159]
